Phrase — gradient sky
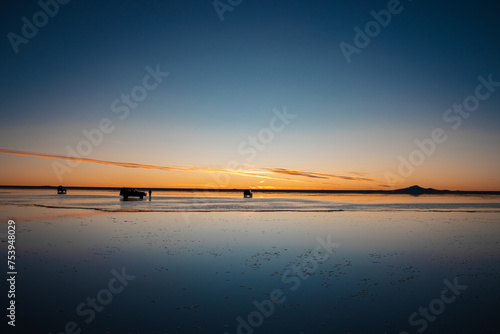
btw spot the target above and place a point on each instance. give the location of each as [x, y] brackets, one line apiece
[228, 79]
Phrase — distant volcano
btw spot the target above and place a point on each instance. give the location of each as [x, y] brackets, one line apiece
[417, 190]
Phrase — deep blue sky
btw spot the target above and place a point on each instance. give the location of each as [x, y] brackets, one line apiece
[227, 76]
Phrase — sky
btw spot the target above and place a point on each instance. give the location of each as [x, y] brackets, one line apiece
[250, 94]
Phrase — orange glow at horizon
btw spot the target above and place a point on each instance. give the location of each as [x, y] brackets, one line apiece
[18, 170]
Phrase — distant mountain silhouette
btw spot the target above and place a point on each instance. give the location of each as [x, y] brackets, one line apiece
[417, 190]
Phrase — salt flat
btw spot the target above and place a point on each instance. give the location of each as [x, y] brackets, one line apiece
[260, 272]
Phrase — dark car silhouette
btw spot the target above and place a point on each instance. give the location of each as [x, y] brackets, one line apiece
[131, 192]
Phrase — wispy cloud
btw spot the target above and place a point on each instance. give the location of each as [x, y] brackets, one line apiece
[316, 175]
[102, 162]
[256, 172]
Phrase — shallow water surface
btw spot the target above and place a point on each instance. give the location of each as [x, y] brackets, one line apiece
[241, 271]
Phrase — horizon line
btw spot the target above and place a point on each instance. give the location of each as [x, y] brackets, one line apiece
[209, 189]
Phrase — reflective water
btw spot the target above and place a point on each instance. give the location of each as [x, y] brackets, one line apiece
[376, 271]
[165, 201]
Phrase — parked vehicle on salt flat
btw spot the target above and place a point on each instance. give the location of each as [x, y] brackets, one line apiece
[131, 192]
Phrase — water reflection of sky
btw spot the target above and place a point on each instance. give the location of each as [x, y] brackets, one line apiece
[231, 201]
[387, 266]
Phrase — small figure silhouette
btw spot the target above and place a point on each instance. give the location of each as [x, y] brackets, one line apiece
[150, 194]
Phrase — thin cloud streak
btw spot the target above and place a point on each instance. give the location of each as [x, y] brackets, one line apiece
[102, 162]
[315, 175]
